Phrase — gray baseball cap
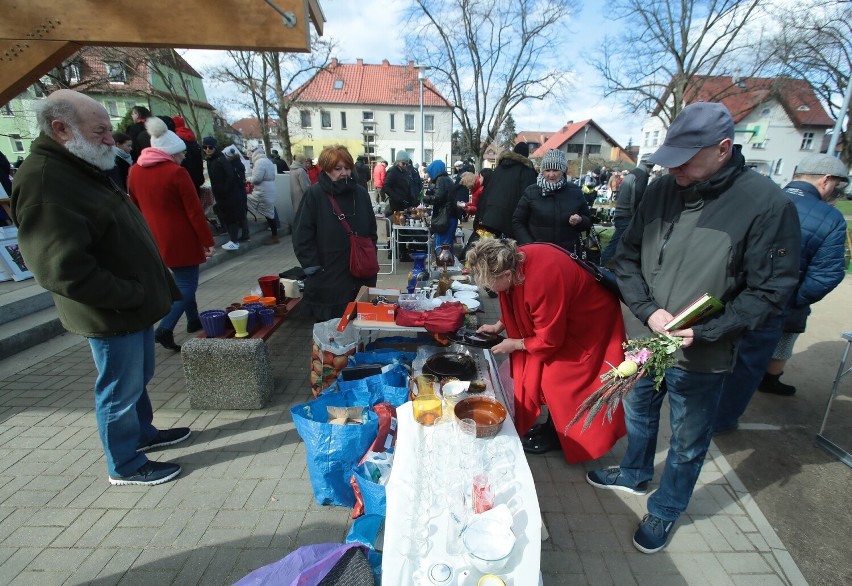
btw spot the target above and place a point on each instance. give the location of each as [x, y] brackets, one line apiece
[822, 164]
[699, 125]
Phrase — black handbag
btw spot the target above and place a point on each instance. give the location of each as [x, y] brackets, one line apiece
[605, 277]
[440, 220]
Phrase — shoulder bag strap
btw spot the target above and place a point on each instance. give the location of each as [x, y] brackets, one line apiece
[340, 215]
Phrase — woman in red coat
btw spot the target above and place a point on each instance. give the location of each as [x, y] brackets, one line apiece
[563, 331]
[164, 193]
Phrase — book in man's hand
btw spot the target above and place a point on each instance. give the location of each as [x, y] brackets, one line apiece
[704, 306]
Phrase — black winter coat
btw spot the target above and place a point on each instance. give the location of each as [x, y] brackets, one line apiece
[322, 245]
[513, 174]
[544, 218]
[228, 191]
[397, 187]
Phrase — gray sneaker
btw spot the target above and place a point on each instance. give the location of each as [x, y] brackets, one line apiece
[149, 474]
[611, 479]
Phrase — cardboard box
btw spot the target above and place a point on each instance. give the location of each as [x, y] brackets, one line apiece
[364, 308]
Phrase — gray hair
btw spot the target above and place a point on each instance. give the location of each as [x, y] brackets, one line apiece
[48, 110]
[491, 256]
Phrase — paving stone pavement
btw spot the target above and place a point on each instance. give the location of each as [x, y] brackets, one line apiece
[244, 498]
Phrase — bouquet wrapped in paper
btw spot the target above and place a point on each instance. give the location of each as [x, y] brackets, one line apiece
[641, 356]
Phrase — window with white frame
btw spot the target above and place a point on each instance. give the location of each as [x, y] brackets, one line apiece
[429, 123]
[647, 139]
[187, 82]
[305, 119]
[393, 121]
[393, 154]
[343, 120]
[656, 139]
[428, 156]
[409, 122]
[116, 72]
[807, 141]
[17, 143]
[112, 108]
[366, 115]
[325, 119]
[72, 72]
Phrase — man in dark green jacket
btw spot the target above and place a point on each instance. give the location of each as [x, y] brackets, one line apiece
[712, 225]
[88, 245]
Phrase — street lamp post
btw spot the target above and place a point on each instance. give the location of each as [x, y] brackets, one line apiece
[583, 153]
[421, 76]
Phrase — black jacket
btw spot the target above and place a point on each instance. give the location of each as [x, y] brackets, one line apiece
[397, 187]
[228, 191]
[362, 174]
[194, 163]
[735, 236]
[544, 218]
[513, 174]
[322, 246]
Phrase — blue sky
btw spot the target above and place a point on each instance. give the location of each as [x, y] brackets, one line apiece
[355, 28]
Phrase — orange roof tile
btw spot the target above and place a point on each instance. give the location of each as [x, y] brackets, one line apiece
[367, 84]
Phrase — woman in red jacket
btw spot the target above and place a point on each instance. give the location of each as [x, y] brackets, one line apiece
[164, 193]
[563, 331]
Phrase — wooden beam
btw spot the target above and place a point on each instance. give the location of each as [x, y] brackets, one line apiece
[23, 63]
[30, 28]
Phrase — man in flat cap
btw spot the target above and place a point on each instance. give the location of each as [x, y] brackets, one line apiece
[712, 225]
[764, 351]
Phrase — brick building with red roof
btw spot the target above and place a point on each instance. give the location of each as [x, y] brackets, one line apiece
[372, 110]
[777, 121]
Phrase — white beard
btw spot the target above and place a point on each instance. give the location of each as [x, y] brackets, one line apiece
[100, 155]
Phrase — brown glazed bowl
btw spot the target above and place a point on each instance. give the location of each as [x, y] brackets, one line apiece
[488, 414]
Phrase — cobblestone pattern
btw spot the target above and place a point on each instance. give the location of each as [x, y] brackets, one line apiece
[244, 498]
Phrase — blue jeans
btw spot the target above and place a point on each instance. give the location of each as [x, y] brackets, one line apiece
[186, 279]
[693, 398]
[448, 237]
[122, 407]
[753, 355]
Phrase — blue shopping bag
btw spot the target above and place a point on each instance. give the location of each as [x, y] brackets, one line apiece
[333, 450]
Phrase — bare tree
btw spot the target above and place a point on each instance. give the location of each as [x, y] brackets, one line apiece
[488, 56]
[664, 48]
[270, 82]
[172, 68]
[815, 44]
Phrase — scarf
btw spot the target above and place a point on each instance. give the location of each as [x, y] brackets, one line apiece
[339, 187]
[547, 187]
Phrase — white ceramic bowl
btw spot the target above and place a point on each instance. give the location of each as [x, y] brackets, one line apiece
[454, 388]
[466, 295]
[471, 304]
[488, 545]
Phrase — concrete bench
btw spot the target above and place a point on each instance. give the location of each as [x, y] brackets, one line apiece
[228, 372]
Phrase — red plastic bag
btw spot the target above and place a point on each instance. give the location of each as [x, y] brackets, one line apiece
[444, 319]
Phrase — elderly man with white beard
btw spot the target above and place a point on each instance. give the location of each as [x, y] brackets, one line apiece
[88, 245]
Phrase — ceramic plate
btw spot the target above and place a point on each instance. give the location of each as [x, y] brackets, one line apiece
[466, 295]
[471, 304]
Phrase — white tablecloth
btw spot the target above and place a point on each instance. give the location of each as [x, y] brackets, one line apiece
[523, 565]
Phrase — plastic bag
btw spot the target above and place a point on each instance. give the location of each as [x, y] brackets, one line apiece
[332, 451]
[330, 353]
[365, 531]
[311, 564]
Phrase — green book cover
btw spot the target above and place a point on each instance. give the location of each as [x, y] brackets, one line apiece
[704, 306]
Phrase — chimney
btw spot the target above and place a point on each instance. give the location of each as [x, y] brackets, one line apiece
[569, 123]
[385, 63]
[410, 64]
[333, 62]
[360, 62]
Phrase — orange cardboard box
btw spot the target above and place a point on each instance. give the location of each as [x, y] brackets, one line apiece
[364, 308]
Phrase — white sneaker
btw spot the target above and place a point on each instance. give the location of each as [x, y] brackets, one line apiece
[229, 245]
